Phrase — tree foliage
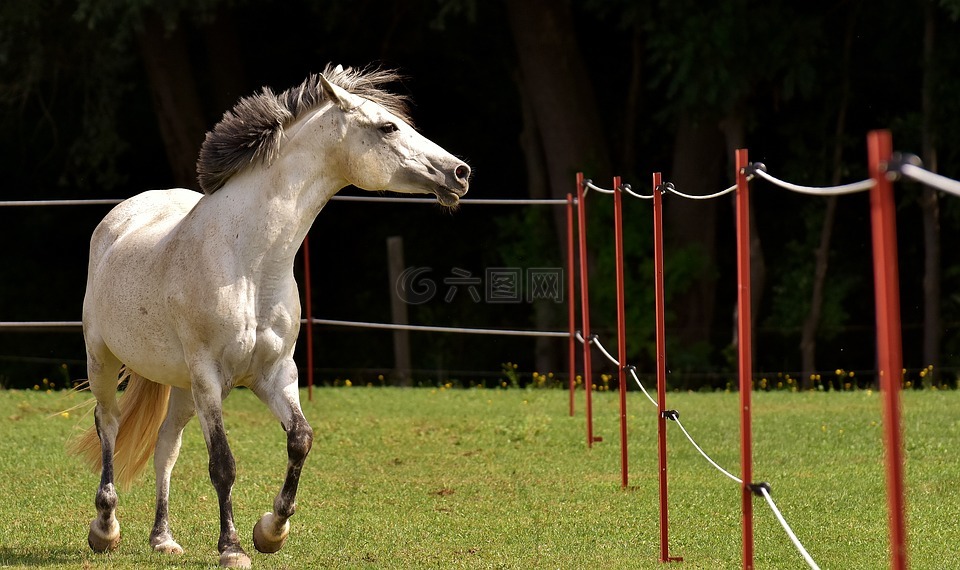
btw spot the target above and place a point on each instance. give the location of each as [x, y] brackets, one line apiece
[79, 118]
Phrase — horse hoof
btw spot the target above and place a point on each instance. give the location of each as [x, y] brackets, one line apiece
[104, 540]
[235, 559]
[168, 547]
[269, 535]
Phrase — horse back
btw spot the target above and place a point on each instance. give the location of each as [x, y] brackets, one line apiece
[123, 307]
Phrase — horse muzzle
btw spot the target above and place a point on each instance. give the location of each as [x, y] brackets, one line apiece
[449, 195]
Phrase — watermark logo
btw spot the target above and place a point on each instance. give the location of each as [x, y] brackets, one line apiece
[500, 285]
[461, 278]
[545, 283]
[504, 285]
[415, 289]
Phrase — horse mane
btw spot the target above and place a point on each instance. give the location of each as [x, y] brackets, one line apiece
[253, 130]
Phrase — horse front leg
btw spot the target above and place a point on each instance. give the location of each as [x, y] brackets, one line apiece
[283, 399]
[208, 399]
[165, 457]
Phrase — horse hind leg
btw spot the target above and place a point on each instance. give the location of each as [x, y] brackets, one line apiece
[272, 528]
[165, 457]
[103, 372]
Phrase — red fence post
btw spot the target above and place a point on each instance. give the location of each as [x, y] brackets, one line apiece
[621, 327]
[661, 366]
[585, 306]
[744, 340]
[571, 302]
[308, 295]
[889, 345]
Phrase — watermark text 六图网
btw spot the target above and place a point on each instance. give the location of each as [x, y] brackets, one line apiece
[499, 285]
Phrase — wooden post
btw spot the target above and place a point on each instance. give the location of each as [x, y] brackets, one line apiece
[398, 313]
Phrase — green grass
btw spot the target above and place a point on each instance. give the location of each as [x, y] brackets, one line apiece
[424, 478]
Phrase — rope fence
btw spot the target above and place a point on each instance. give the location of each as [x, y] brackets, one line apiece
[434, 329]
[884, 166]
[39, 325]
[910, 166]
[371, 199]
[674, 416]
[760, 170]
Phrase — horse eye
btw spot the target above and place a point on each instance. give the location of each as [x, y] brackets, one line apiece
[388, 128]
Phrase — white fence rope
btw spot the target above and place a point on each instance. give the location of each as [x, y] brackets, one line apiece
[851, 188]
[25, 325]
[467, 201]
[16, 325]
[636, 379]
[931, 179]
[596, 341]
[428, 328]
[629, 190]
[789, 531]
[591, 186]
[673, 190]
[15, 203]
[373, 199]
[761, 489]
[704, 454]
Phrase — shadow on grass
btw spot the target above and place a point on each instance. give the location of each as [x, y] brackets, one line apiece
[24, 557]
[28, 558]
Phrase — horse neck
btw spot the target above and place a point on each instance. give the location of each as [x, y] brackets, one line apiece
[268, 211]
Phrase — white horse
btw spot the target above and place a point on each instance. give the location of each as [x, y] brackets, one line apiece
[191, 294]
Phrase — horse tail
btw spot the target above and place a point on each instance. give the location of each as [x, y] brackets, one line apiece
[143, 407]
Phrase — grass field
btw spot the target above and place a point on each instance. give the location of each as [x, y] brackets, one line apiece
[423, 478]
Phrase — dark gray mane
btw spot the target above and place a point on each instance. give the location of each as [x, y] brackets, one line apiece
[253, 130]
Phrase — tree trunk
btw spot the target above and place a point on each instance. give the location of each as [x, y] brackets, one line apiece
[735, 137]
[808, 333]
[555, 80]
[546, 355]
[175, 96]
[227, 74]
[562, 132]
[821, 256]
[691, 225]
[930, 205]
[633, 105]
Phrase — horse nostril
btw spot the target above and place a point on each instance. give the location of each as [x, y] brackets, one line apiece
[462, 172]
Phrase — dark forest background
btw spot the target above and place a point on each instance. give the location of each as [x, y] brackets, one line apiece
[107, 98]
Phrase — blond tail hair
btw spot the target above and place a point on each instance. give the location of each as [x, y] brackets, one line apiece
[143, 406]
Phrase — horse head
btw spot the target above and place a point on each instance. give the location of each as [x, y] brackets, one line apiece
[381, 151]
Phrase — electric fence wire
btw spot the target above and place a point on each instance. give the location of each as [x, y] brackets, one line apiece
[633, 372]
[669, 187]
[372, 199]
[761, 489]
[760, 170]
[931, 179]
[430, 328]
[589, 185]
[793, 537]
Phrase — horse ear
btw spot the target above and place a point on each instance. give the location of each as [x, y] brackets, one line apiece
[339, 96]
